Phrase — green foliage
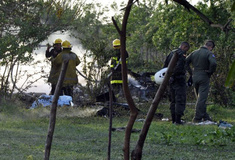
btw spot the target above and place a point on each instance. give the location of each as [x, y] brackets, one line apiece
[153, 29]
[24, 24]
[214, 108]
[98, 45]
[167, 137]
[9, 109]
[233, 7]
[142, 52]
[231, 75]
[159, 28]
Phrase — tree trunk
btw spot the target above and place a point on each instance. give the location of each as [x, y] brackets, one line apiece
[53, 110]
[110, 118]
[137, 152]
[133, 109]
[16, 76]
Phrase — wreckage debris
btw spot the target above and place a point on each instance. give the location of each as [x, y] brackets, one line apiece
[46, 100]
[121, 129]
[104, 112]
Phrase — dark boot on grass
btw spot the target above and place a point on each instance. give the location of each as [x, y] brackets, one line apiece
[207, 118]
[195, 120]
[178, 120]
[173, 118]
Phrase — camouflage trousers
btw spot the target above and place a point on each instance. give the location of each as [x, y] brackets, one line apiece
[178, 96]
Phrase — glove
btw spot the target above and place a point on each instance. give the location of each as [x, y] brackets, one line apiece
[209, 73]
[180, 52]
[190, 81]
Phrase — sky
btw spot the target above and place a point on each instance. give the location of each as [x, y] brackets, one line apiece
[109, 2]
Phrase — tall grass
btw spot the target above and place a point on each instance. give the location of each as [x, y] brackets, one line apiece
[80, 135]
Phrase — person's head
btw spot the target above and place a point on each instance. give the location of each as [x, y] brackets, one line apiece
[116, 44]
[209, 44]
[184, 46]
[57, 44]
[66, 45]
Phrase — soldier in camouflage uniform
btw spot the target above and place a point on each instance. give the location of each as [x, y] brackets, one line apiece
[178, 83]
[204, 65]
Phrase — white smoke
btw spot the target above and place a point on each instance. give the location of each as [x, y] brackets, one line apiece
[39, 54]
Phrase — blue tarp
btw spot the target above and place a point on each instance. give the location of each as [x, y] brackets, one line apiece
[46, 100]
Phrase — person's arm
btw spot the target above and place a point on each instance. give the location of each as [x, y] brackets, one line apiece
[58, 60]
[48, 52]
[167, 60]
[213, 64]
[187, 64]
[77, 61]
[113, 62]
[179, 68]
[188, 68]
[127, 55]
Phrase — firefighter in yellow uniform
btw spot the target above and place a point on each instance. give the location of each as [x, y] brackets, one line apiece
[116, 79]
[51, 54]
[71, 78]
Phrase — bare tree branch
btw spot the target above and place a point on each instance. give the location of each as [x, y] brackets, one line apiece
[133, 109]
[188, 6]
[116, 26]
[129, 5]
[137, 152]
[53, 110]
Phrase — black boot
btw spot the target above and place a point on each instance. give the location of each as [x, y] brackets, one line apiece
[173, 118]
[178, 119]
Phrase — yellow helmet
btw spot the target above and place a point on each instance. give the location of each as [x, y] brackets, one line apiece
[58, 41]
[116, 44]
[66, 44]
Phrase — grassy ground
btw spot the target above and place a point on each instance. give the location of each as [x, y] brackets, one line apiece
[79, 135]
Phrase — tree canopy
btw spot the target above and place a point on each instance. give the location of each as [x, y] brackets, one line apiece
[154, 28]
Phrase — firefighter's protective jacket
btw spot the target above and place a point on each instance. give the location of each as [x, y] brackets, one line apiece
[51, 55]
[70, 76]
[116, 67]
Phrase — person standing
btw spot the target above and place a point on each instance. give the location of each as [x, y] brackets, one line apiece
[204, 65]
[177, 83]
[70, 78]
[51, 54]
[116, 78]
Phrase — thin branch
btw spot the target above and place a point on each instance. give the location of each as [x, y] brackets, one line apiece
[130, 4]
[52, 122]
[188, 6]
[116, 26]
